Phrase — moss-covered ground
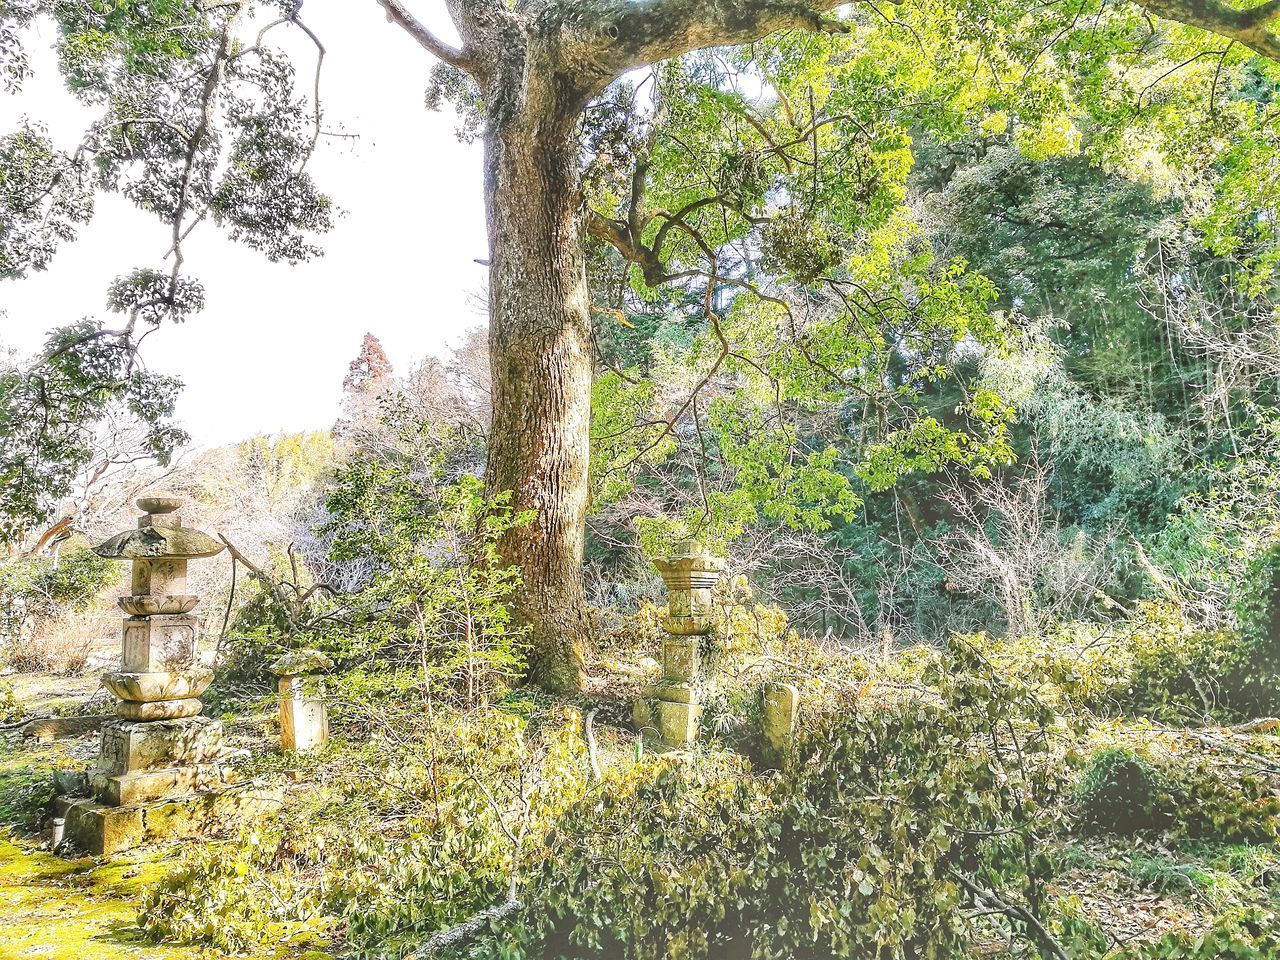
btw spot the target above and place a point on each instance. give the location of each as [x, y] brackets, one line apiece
[54, 908]
[73, 908]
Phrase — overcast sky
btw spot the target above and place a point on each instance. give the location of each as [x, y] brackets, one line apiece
[271, 348]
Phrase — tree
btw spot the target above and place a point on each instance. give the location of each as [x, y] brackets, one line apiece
[542, 82]
[369, 376]
[369, 369]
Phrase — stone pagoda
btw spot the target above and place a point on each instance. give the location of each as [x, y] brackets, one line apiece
[158, 772]
[672, 707]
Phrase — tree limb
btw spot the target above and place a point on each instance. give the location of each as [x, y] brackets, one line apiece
[622, 35]
[399, 15]
[441, 940]
[1251, 27]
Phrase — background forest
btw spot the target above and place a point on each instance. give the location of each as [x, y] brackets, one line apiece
[970, 373]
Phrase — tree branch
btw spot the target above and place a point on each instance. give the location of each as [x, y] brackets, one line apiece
[1251, 27]
[627, 34]
[397, 14]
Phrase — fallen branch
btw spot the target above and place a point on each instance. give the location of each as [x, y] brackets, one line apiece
[1014, 911]
[1263, 725]
[441, 940]
[22, 723]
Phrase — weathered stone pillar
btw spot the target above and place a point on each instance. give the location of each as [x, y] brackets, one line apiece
[158, 771]
[304, 715]
[779, 711]
[672, 706]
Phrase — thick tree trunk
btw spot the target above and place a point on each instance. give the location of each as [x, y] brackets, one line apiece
[540, 353]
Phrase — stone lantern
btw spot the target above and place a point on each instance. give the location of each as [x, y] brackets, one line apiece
[158, 771]
[690, 576]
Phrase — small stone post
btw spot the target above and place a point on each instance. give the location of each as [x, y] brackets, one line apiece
[779, 710]
[304, 715]
[690, 575]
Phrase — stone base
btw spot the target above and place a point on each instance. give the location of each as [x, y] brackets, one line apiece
[144, 786]
[674, 722]
[304, 725]
[103, 830]
[678, 723]
[131, 747]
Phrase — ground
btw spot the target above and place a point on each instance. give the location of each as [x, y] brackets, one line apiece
[55, 908]
[1133, 888]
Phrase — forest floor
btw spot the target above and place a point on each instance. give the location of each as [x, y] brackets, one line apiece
[58, 908]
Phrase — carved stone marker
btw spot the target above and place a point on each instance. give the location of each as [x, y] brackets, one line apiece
[304, 716]
[690, 575]
[158, 772]
[779, 710]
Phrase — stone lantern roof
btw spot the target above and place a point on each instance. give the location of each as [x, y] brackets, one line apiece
[691, 566]
[156, 539]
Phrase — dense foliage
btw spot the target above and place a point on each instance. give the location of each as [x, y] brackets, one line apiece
[953, 327]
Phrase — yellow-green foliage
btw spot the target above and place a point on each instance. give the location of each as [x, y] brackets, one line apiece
[1158, 664]
[1186, 788]
[420, 831]
[845, 855]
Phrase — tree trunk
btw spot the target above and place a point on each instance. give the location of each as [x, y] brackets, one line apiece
[540, 354]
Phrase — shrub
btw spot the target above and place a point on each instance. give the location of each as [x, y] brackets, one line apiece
[26, 789]
[1121, 792]
[36, 590]
[430, 618]
[1237, 808]
[1245, 934]
[11, 710]
[1254, 678]
[394, 839]
[866, 848]
[1180, 672]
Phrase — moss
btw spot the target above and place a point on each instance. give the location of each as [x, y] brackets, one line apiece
[54, 909]
[58, 909]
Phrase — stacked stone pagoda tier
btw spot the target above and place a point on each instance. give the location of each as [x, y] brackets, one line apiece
[159, 677]
[159, 756]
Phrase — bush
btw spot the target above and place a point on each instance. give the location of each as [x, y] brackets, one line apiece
[37, 590]
[1236, 808]
[867, 848]
[1121, 792]
[1124, 792]
[1246, 934]
[429, 620]
[393, 840]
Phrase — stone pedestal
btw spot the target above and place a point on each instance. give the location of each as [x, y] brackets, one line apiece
[671, 708]
[304, 718]
[304, 715]
[102, 829]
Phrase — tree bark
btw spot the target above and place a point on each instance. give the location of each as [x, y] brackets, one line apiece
[541, 358]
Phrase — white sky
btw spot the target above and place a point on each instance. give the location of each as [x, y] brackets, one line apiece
[270, 349]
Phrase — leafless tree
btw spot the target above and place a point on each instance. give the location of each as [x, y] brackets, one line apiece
[1005, 547]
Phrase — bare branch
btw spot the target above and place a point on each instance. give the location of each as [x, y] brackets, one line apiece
[397, 14]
